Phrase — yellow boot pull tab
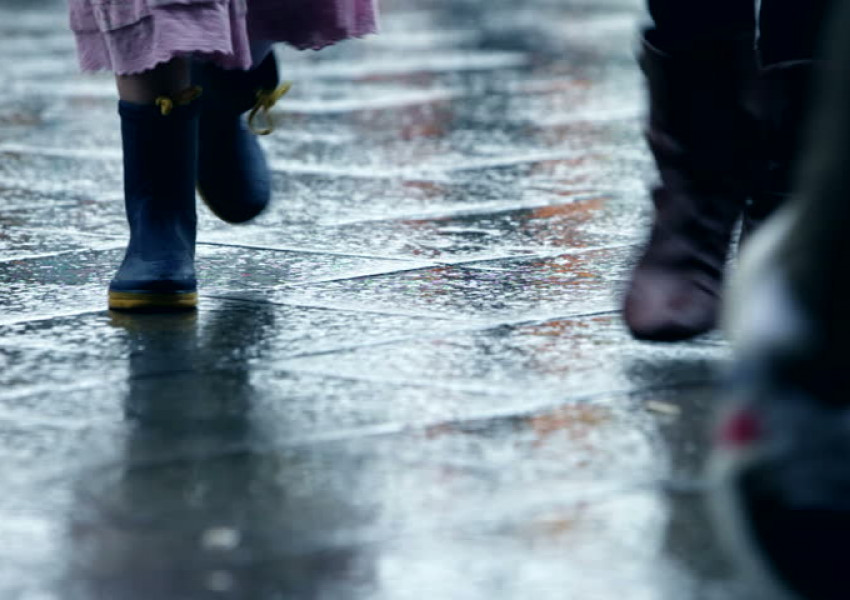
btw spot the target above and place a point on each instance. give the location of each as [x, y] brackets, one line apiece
[187, 96]
[262, 109]
[165, 104]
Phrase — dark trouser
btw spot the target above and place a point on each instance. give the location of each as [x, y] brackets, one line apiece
[788, 30]
[817, 252]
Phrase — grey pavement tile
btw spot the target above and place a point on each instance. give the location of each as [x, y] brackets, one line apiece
[18, 243]
[434, 504]
[549, 487]
[222, 269]
[56, 285]
[341, 200]
[354, 216]
[49, 203]
[523, 288]
[329, 372]
[63, 172]
[462, 232]
[76, 282]
[453, 512]
[33, 370]
[225, 339]
[541, 363]
[83, 128]
[469, 151]
[83, 222]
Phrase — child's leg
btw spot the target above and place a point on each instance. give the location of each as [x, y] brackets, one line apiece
[169, 79]
[233, 175]
[159, 130]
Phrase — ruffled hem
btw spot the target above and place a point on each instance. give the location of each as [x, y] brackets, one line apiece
[215, 31]
[220, 32]
[325, 41]
[311, 25]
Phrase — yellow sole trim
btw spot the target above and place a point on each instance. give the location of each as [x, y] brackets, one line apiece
[142, 301]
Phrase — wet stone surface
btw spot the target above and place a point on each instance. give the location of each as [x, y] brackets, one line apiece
[407, 380]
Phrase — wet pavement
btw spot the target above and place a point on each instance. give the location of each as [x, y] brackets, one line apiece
[407, 380]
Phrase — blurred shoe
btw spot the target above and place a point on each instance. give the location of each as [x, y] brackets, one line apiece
[780, 469]
[703, 140]
[233, 175]
[160, 150]
[781, 487]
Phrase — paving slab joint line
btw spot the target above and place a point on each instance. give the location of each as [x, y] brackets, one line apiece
[540, 255]
[29, 257]
[40, 318]
[298, 250]
[462, 262]
[483, 324]
[318, 306]
[76, 232]
[485, 390]
[410, 269]
[487, 208]
[55, 388]
[478, 328]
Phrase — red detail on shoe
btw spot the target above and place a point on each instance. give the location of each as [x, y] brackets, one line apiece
[742, 428]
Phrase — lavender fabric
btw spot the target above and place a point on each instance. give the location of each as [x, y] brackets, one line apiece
[131, 36]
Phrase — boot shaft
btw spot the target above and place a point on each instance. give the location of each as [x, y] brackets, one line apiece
[160, 164]
[160, 154]
[700, 125]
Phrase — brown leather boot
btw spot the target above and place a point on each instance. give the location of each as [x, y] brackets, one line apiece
[703, 139]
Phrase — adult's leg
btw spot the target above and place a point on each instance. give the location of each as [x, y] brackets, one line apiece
[817, 253]
[678, 25]
[699, 62]
[790, 30]
[789, 40]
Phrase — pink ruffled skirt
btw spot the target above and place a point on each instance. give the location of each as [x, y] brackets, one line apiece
[131, 36]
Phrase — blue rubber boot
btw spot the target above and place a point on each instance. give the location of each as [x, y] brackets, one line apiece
[160, 162]
[233, 175]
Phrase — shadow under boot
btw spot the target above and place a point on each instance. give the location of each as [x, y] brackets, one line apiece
[702, 138]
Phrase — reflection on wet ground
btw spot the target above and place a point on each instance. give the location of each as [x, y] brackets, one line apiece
[407, 380]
